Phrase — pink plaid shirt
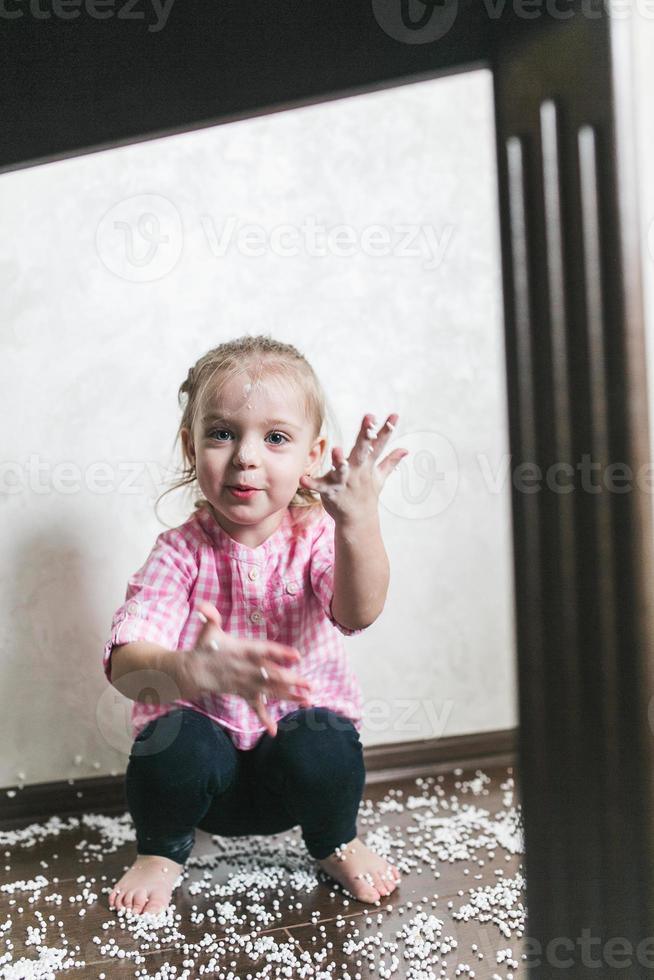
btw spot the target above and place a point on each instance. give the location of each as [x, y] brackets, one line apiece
[281, 590]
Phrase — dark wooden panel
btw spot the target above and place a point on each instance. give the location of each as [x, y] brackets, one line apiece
[74, 86]
[583, 562]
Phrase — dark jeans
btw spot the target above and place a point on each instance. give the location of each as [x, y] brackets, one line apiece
[184, 772]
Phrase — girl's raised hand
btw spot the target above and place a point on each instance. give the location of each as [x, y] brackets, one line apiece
[350, 491]
[221, 663]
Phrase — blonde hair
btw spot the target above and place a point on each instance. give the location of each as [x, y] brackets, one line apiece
[275, 359]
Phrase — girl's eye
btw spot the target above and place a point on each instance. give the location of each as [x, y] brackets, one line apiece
[215, 432]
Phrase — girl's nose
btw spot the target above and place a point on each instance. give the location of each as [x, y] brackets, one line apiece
[245, 454]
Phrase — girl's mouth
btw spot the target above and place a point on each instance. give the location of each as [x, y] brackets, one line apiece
[242, 494]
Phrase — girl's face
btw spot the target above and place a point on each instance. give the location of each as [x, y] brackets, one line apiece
[254, 435]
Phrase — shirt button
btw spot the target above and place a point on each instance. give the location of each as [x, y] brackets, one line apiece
[256, 616]
[291, 588]
[253, 573]
[132, 608]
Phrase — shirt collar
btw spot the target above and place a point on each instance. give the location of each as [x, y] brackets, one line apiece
[225, 543]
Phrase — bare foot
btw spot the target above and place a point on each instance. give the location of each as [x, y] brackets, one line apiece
[147, 886]
[366, 876]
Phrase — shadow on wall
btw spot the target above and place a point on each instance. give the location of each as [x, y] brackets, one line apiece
[51, 665]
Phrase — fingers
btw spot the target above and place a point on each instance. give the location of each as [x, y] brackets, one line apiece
[259, 707]
[370, 442]
[378, 440]
[392, 461]
[277, 651]
[212, 628]
[360, 452]
[208, 612]
[287, 684]
[281, 681]
[384, 433]
[212, 634]
[341, 465]
[309, 482]
[260, 710]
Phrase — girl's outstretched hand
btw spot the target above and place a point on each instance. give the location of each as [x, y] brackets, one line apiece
[233, 666]
[351, 489]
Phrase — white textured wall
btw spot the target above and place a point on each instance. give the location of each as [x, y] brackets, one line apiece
[100, 326]
[643, 82]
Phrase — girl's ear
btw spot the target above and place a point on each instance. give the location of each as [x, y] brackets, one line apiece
[317, 450]
[187, 442]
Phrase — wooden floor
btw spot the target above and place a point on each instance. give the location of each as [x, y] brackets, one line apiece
[459, 910]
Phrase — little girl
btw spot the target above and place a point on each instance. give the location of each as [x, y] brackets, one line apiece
[236, 618]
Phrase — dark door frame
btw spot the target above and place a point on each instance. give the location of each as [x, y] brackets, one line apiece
[574, 338]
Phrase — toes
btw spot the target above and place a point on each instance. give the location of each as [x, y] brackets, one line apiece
[365, 891]
[382, 883]
[392, 877]
[128, 900]
[368, 891]
[140, 899]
